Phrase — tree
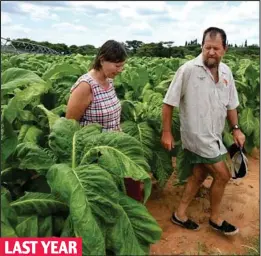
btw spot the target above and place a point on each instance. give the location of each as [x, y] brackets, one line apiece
[169, 45]
[147, 50]
[73, 48]
[134, 45]
[178, 52]
[61, 48]
[246, 43]
[87, 49]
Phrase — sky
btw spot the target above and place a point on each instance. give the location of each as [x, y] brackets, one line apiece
[89, 22]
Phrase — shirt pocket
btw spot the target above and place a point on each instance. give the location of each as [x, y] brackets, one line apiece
[223, 94]
[201, 94]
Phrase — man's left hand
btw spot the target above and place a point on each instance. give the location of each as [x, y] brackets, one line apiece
[239, 138]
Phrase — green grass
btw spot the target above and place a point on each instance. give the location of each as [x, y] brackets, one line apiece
[253, 248]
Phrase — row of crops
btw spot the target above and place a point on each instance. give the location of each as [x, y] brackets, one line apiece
[59, 179]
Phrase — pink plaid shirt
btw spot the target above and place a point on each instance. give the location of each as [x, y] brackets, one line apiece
[105, 108]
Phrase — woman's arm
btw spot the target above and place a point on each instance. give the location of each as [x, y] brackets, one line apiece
[79, 100]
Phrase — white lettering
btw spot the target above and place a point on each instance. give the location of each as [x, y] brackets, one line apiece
[33, 246]
[7, 248]
[72, 247]
[54, 247]
[26, 247]
[45, 246]
[17, 247]
[63, 248]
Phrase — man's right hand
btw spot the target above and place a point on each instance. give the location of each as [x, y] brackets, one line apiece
[167, 140]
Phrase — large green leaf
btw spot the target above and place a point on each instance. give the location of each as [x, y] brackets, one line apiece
[30, 95]
[41, 204]
[161, 164]
[183, 167]
[59, 110]
[62, 69]
[137, 78]
[146, 95]
[249, 144]
[252, 74]
[134, 229]
[121, 155]
[128, 111]
[62, 139]
[163, 86]
[34, 157]
[45, 226]
[121, 238]
[154, 99]
[159, 73]
[23, 130]
[58, 225]
[7, 230]
[143, 133]
[17, 59]
[33, 134]
[146, 88]
[50, 116]
[256, 135]
[14, 78]
[228, 139]
[101, 191]
[246, 121]
[9, 139]
[65, 181]
[67, 230]
[176, 124]
[27, 226]
[45, 116]
[8, 217]
[144, 225]
[68, 139]
[26, 116]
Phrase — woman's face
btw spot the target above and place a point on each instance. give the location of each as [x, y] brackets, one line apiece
[112, 69]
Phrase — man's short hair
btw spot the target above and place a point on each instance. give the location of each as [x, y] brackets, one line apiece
[213, 31]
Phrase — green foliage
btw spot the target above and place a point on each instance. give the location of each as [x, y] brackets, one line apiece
[65, 180]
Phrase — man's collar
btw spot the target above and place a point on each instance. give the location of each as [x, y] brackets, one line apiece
[199, 62]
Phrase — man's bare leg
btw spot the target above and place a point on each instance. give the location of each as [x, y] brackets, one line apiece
[191, 188]
[221, 176]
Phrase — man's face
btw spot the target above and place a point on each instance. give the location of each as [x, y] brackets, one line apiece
[212, 50]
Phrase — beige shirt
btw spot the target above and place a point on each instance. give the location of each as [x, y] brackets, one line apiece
[203, 105]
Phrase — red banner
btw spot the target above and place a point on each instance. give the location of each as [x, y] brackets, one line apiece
[62, 246]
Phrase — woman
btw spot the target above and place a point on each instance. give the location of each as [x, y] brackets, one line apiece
[93, 98]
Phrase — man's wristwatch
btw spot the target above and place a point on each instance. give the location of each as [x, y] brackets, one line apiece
[235, 127]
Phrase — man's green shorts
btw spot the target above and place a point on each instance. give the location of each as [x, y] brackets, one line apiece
[187, 160]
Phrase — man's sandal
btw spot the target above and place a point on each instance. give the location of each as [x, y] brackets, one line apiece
[188, 224]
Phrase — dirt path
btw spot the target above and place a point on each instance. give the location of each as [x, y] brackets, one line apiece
[240, 206]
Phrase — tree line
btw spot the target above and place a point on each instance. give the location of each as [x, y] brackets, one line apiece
[139, 48]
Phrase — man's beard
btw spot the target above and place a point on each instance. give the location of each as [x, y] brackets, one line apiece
[211, 64]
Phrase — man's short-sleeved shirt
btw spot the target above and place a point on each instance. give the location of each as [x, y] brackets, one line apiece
[203, 105]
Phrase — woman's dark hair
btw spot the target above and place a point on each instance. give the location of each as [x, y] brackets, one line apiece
[112, 51]
[213, 31]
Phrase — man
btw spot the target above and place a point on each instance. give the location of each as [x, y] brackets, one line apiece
[205, 92]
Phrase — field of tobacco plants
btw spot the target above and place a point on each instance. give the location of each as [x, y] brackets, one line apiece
[58, 179]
